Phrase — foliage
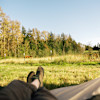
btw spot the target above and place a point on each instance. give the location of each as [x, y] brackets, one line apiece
[96, 47]
[10, 36]
[15, 42]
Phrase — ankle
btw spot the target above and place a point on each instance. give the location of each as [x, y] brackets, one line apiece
[36, 83]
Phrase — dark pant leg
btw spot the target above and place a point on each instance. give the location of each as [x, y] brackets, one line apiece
[43, 94]
[17, 90]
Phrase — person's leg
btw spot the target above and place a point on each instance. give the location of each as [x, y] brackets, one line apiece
[36, 83]
[39, 75]
[33, 90]
[17, 90]
[42, 93]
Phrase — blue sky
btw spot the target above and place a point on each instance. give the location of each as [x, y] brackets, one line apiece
[79, 18]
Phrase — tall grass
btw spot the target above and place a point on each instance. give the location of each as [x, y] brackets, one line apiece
[55, 76]
[60, 71]
[48, 60]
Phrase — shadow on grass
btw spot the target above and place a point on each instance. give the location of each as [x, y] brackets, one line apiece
[54, 86]
[1, 87]
[51, 86]
[89, 63]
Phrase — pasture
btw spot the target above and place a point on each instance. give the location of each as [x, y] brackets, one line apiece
[59, 71]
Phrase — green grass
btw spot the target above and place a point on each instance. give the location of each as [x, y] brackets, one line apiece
[55, 75]
[91, 51]
[60, 71]
[61, 60]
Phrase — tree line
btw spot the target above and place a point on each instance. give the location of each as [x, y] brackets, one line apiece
[17, 42]
[96, 47]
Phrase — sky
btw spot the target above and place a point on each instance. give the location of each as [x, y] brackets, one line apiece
[79, 18]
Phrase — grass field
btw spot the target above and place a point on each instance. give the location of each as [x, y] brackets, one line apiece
[59, 72]
[61, 60]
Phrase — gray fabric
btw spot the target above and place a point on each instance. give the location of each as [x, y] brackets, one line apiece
[19, 90]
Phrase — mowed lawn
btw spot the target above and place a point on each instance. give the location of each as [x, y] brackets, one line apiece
[55, 76]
